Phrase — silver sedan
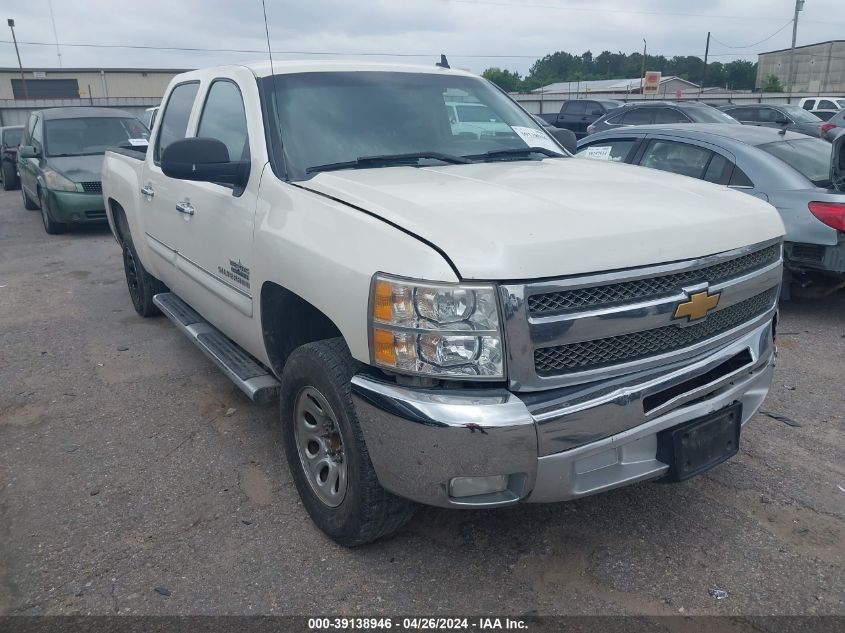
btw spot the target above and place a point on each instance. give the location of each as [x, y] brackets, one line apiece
[803, 177]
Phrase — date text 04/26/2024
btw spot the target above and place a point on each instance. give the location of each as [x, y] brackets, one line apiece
[417, 624]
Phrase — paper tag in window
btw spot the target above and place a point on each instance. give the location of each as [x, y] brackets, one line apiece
[138, 142]
[601, 152]
[536, 138]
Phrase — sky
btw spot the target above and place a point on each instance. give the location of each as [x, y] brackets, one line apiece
[474, 34]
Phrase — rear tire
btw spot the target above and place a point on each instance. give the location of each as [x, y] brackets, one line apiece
[52, 228]
[142, 285]
[316, 383]
[28, 204]
[10, 177]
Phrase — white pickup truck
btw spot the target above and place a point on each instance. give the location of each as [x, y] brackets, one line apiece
[453, 319]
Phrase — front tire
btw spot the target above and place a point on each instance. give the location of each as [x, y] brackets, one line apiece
[10, 177]
[142, 285]
[52, 228]
[325, 448]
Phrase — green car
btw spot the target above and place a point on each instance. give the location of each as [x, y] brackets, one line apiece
[60, 158]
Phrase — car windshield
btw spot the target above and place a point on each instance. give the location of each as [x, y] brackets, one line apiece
[12, 138]
[336, 118]
[91, 135]
[808, 156]
[709, 115]
[799, 114]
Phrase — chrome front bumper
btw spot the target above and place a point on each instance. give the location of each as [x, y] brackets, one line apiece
[555, 445]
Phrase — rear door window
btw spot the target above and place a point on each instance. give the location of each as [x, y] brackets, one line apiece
[827, 104]
[718, 170]
[177, 113]
[575, 108]
[670, 115]
[675, 157]
[614, 150]
[638, 116]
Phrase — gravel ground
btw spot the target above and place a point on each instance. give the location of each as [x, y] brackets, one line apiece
[128, 486]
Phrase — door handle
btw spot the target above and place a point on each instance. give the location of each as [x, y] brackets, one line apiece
[185, 207]
[148, 191]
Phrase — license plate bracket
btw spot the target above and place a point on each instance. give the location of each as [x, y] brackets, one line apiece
[700, 444]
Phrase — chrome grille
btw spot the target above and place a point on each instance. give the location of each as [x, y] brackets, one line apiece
[650, 288]
[94, 186]
[630, 347]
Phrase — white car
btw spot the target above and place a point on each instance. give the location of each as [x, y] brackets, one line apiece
[475, 118]
[823, 107]
[448, 319]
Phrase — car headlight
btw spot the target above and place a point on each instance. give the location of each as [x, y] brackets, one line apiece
[56, 182]
[436, 329]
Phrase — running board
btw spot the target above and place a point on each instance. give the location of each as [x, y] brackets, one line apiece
[253, 378]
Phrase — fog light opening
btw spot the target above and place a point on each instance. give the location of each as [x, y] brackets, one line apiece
[473, 486]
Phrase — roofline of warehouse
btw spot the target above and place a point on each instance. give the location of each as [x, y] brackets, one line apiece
[96, 70]
[784, 50]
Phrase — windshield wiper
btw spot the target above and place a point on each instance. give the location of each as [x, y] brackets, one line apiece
[387, 160]
[518, 151]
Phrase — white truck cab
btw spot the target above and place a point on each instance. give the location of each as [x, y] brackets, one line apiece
[461, 320]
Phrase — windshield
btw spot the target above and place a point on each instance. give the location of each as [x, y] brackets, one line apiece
[91, 135]
[808, 156]
[328, 118]
[799, 114]
[710, 115]
[12, 137]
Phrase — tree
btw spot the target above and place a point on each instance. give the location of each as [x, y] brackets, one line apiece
[505, 79]
[772, 84]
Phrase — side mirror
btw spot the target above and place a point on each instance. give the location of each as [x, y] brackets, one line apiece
[28, 151]
[203, 160]
[566, 138]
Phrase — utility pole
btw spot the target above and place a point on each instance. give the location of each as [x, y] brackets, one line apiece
[11, 24]
[799, 5]
[55, 33]
[704, 70]
[642, 72]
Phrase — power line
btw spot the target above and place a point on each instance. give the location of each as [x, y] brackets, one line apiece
[594, 9]
[766, 39]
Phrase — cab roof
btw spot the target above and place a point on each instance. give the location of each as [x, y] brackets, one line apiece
[283, 67]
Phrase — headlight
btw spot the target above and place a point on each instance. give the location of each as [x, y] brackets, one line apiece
[436, 329]
[56, 182]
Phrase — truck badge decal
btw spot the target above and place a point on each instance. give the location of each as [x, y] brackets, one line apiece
[698, 306]
[237, 272]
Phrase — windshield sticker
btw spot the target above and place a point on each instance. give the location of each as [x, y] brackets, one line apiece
[601, 152]
[138, 142]
[536, 138]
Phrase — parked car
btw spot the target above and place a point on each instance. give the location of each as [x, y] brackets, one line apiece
[831, 128]
[659, 112]
[475, 119]
[823, 107]
[795, 173]
[782, 116]
[10, 138]
[60, 158]
[449, 319]
[578, 114]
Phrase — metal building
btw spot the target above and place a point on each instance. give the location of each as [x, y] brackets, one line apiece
[818, 68]
[132, 89]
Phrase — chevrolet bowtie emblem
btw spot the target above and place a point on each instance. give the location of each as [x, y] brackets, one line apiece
[698, 306]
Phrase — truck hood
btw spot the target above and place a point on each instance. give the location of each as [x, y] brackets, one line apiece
[532, 219]
[78, 168]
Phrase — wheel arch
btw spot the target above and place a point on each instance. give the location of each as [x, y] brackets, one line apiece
[117, 220]
[288, 321]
